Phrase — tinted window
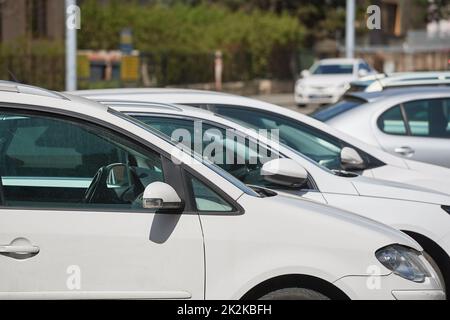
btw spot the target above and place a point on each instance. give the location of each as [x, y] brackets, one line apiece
[391, 121]
[236, 157]
[49, 162]
[337, 109]
[315, 144]
[332, 69]
[429, 118]
[206, 200]
[312, 143]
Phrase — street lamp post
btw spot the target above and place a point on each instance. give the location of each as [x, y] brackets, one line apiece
[71, 46]
[350, 29]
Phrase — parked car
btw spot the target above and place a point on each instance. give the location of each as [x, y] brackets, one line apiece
[399, 80]
[300, 132]
[400, 206]
[327, 80]
[414, 124]
[95, 205]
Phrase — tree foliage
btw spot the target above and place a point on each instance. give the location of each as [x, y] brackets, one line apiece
[185, 28]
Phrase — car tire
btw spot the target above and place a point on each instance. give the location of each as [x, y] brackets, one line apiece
[294, 294]
[301, 105]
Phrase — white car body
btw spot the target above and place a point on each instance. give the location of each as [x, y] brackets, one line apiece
[415, 210]
[394, 168]
[116, 253]
[326, 87]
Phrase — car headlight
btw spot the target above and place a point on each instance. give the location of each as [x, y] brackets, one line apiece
[446, 209]
[404, 262]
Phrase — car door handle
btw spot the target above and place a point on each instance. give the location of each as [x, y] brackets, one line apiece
[19, 249]
[405, 151]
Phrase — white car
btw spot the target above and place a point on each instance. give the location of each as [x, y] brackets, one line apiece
[327, 80]
[414, 124]
[422, 214]
[320, 142]
[94, 205]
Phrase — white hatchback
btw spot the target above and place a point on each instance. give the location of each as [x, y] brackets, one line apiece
[94, 205]
[327, 80]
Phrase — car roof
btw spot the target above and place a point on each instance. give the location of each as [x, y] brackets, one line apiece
[16, 87]
[136, 91]
[157, 107]
[395, 92]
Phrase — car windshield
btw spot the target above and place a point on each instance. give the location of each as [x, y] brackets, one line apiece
[315, 149]
[337, 109]
[192, 153]
[332, 69]
[238, 154]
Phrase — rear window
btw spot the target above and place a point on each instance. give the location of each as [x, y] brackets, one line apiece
[337, 109]
[332, 69]
[358, 87]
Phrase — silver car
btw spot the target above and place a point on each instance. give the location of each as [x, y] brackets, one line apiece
[412, 122]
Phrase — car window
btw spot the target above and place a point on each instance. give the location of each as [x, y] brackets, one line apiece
[206, 200]
[315, 145]
[429, 118]
[392, 122]
[238, 157]
[337, 109]
[311, 143]
[49, 162]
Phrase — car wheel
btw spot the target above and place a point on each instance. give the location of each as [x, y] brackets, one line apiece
[294, 294]
[301, 105]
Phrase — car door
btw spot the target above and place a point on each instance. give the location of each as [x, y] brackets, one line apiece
[57, 242]
[418, 130]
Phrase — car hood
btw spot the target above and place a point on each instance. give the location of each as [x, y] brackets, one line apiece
[326, 80]
[316, 214]
[399, 191]
[306, 226]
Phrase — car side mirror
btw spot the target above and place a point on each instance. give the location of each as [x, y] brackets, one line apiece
[161, 197]
[305, 73]
[284, 172]
[351, 160]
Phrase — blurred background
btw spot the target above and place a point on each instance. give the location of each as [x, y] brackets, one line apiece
[248, 47]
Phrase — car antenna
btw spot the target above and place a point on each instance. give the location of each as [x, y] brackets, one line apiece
[11, 74]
